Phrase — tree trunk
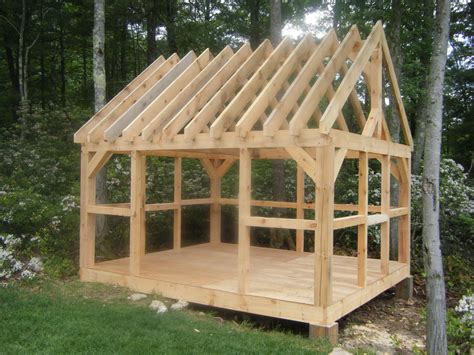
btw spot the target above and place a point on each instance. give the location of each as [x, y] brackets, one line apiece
[63, 59]
[255, 33]
[420, 115]
[171, 25]
[394, 121]
[151, 24]
[98, 40]
[433, 106]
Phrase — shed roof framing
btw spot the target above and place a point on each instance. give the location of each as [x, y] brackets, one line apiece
[286, 102]
[272, 91]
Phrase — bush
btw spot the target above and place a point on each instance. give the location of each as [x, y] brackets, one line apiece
[460, 325]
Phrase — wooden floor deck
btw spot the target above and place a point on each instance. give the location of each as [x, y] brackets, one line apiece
[275, 274]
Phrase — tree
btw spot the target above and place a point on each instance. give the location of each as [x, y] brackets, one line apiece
[433, 107]
[98, 43]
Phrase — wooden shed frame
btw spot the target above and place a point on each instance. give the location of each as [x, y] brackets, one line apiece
[261, 104]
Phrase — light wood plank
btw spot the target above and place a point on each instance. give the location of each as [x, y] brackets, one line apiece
[177, 212]
[269, 92]
[112, 125]
[154, 127]
[201, 98]
[363, 210]
[191, 67]
[302, 116]
[324, 213]
[304, 160]
[211, 109]
[235, 107]
[297, 87]
[81, 135]
[285, 223]
[245, 192]
[137, 208]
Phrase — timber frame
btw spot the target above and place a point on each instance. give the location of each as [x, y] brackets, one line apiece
[257, 104]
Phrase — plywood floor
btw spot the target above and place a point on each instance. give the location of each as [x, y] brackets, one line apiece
[277, 274]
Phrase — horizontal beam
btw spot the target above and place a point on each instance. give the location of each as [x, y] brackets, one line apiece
[309, 137]
[348, 221]
[122, 210]
[285, 223]
[377, 219]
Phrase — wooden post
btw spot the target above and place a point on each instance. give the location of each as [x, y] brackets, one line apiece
[245, 173]
[324, 225]
[362, 228]
[215, 206]
[299, 206]
[324, 331]
[137, 207]
[404, 223]
[88, 220]
[385, 209]
[177, 213]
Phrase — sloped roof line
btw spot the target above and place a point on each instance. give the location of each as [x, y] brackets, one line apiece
[264, 90]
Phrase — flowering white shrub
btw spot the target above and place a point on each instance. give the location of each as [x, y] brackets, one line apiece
[466, 308]
[13, 263]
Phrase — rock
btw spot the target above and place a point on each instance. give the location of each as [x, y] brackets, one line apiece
[137, 296]
[178, 306]
[339, 351]
[158, 306]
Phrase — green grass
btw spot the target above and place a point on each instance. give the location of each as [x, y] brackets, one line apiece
[72, 317]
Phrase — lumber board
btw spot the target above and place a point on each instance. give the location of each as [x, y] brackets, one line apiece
[396, 91]
[322, 84]
[276, 83]
[245, 192]
[177, 81]
[153, 128]
[304, 160]
[141, 104]
[351, 77]
[285, 223]
[208, 113]
[204, 95]
[258, 79]
[81, 135]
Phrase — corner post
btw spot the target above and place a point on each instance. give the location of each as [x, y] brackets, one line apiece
[177, 212]
[215, 206]
[385, 209]
[299, 208]
[362, 228]
[404, 246]
[88, 220]
[137, 207]
[324, 225]
[245, 173]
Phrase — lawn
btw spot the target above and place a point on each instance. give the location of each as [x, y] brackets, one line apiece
[64, 317]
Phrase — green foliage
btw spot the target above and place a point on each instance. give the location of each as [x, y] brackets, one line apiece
[460, 328]
[456, 211]
[39, 184]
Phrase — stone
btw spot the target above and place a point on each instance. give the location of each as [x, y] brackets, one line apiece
[339, 351]
[178, 306]
[158, 306]
[137, 296]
